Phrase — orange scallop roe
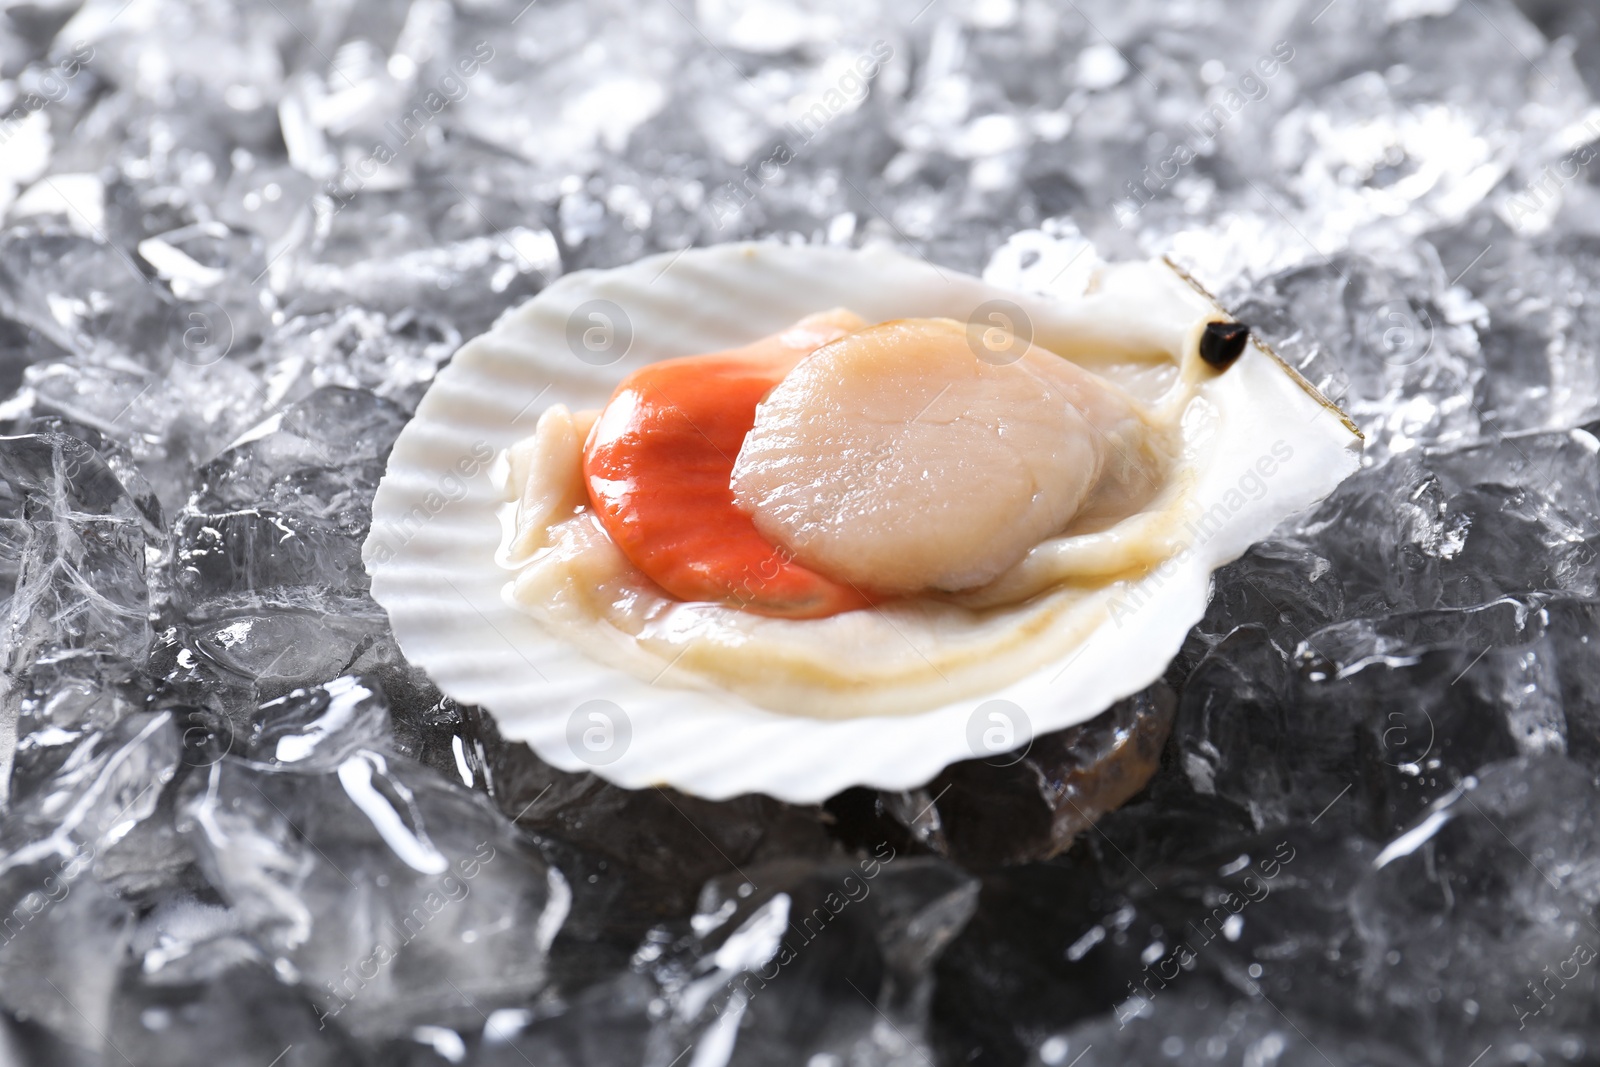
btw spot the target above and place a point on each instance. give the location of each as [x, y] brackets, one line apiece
[659, 462]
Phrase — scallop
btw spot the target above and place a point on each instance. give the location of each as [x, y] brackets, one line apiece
[1027, 532]
[906, 457]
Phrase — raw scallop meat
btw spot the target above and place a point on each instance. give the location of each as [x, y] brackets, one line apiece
[658, 463]
[896, 459]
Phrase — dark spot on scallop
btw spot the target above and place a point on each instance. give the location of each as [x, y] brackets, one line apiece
[1223, 342]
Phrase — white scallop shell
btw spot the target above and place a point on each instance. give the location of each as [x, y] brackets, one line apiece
[435, 528]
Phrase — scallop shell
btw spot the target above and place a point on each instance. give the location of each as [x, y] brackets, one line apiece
[435, 524]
